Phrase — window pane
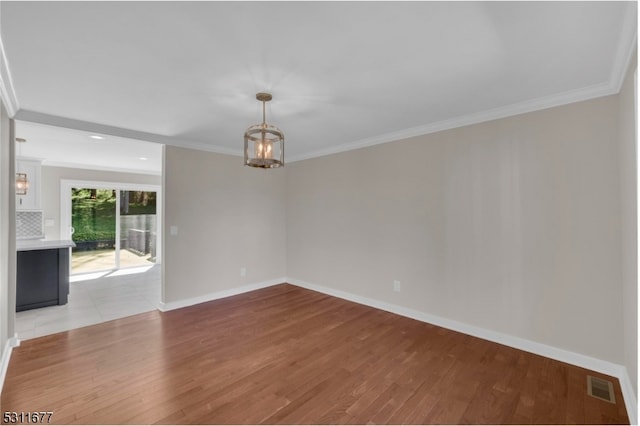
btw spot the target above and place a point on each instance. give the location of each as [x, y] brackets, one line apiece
[94, 222]
[137, 228]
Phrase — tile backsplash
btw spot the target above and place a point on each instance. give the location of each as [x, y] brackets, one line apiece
[29, 224]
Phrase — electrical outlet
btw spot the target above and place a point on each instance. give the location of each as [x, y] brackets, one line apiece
[396, 285]
[243, 272]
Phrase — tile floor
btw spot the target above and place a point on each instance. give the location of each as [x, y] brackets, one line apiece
[95, 298]
[91, 260]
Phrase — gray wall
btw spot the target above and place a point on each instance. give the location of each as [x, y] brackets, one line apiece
[7, 241]
[228, 216]
[511, 225]
[628, 183]
[51, 177]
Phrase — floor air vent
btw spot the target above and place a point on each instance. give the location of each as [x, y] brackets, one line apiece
[601, 389]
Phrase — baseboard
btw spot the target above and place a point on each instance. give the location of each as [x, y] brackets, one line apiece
[590, 363]
[629, 395]
[594, 364]
[11, 343]
[183, 303]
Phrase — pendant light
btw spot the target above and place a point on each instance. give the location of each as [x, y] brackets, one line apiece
[263, 143]
[22, 183]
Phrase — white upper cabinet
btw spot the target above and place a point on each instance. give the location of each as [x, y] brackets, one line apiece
[31, 200]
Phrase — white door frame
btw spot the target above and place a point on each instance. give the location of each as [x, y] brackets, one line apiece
[65, 206]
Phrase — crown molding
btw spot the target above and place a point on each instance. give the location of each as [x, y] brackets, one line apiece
[532, 105]
[582, 94]
[627, 46]
[7, 92]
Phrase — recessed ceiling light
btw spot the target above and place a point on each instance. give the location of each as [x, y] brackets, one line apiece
[97, 137]
[143, 158]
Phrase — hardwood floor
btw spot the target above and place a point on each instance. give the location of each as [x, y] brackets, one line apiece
[286, 355]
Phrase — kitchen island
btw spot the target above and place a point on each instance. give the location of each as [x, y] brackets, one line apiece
[42, 277]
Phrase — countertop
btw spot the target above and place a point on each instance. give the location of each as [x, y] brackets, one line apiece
[24, 245]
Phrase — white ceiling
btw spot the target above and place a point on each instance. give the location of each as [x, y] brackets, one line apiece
[62, 147]
[343, 74]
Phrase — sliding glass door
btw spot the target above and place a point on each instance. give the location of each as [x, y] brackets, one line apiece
[113, 225]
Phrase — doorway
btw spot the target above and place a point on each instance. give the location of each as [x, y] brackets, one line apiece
[113, 225]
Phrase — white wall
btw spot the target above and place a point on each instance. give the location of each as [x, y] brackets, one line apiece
[51, 177]
[228, 216]
[511, 225]
[628, 182]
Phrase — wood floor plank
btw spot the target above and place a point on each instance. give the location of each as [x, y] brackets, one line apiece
[287, 355]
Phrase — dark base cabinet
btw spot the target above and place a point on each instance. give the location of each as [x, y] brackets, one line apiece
[42, 278]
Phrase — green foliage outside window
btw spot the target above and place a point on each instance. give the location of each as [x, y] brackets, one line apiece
[93, 215]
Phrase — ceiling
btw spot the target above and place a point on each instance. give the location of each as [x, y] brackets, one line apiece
[63, 147]
[343, 74]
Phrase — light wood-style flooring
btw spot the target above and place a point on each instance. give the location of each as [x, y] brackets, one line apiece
[287, 355]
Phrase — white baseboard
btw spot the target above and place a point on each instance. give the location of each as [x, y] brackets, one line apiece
[183, 303]
[590, 363]
[594, 364]
[629, 395]
[12, 342]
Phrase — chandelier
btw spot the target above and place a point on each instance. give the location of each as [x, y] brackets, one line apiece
[263, 143]
[22, 183]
